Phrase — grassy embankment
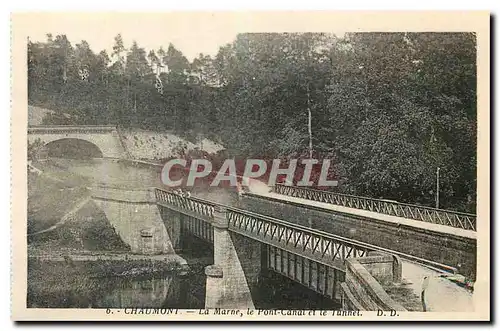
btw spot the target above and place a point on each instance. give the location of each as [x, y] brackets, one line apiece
[51, 203]
[50, 198]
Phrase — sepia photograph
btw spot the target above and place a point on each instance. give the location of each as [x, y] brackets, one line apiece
[319, 174]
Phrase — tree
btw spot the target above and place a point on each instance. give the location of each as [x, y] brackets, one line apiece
[34, 147]
[137, 69]
[137, 64]
[204, 70]
[118, 54]
[84, 59]
[391, 117]
[388, 108]
[154, 61]
[102, 63]
[178, 66]
[271, 80]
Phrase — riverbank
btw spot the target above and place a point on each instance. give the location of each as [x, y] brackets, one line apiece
[151, 164]
[107, 264]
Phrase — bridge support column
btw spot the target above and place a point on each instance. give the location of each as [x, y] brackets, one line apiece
[236, 270]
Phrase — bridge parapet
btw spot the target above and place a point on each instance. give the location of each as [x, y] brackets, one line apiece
[363, 287]
[105, 138]
[244, 242]
[393, 208]
[200, 207]
[59, 129]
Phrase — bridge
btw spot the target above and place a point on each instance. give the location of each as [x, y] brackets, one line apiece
[315, 238]
[444, 236]
[245, 243]
[100, 141]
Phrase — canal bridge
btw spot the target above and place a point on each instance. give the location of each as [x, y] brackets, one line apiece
[246, 242]
[103, 141]
[443, 236]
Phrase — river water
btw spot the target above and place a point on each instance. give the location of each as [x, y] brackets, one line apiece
[123, 174]
[170, 291]
[46, 288]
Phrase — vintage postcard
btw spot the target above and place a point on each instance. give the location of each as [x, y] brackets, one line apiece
[280, 166]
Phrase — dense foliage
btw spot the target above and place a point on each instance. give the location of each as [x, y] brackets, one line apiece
[389, 108]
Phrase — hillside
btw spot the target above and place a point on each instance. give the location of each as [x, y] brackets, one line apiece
[151, 145]
[37, 114]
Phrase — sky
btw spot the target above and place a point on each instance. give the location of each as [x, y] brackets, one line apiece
[191, 33]
[189, 36]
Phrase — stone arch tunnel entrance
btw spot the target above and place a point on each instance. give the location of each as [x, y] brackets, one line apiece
[72, 148]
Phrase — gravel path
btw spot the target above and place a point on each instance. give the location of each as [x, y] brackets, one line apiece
[441, 295]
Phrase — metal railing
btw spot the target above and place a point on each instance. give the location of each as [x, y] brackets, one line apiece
[420, 213]
[194, 205]
[316, 245]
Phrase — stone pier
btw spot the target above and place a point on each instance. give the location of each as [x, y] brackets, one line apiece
[236, 270]
[135, 217]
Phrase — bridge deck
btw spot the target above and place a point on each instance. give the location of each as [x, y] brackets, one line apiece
[372, 215]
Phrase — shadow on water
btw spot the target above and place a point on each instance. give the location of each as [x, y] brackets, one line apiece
[276, 291]
[169, 291]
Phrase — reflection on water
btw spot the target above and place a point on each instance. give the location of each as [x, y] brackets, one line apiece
[276, 291]
[137, 293]
[107, 172]
[171, 291]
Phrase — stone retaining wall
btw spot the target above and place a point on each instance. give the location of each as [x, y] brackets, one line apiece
[362, 289]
